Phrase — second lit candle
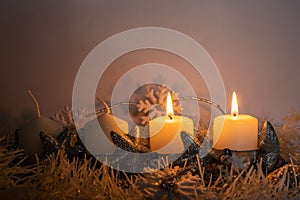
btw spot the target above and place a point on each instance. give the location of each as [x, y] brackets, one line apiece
[236, 132]
[165, 131]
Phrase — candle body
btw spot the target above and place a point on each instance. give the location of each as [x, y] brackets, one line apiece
[165, 134]
[235, 132]
[100, 142]
[29, 134]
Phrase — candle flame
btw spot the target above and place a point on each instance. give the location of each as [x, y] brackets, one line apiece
[169, 108]
[234, 105]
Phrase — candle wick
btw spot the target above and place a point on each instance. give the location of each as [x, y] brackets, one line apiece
[170, 116]
[36, 103]
[234, 114]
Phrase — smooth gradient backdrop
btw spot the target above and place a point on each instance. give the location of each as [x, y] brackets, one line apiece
[255, 44]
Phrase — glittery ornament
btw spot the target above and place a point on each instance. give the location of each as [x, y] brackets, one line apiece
[226, 157]
[287, 176]
[73, 144]
[269, 147]
[191, 146]
[124, 142]
[49, 143]
[68, 140]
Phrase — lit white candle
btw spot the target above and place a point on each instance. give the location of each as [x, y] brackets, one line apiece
[165, 137]
[236, 132]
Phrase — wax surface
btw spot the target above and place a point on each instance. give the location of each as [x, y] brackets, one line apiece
[235, 133]
[165, 134]
[100, 142]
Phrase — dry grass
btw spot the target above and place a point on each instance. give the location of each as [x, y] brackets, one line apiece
[57, 177]
[231, 184]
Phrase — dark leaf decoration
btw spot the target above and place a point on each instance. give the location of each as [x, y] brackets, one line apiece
[190, 145]
[68, 139]
[63, 136]
[72, 143]
[288, 175]
[49, 143]
[124, 142]
[191, 149]
[269, 147]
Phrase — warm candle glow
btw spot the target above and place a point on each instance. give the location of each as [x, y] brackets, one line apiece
[236, 131]
[165, 131]
[234, 105]
[169, 109]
